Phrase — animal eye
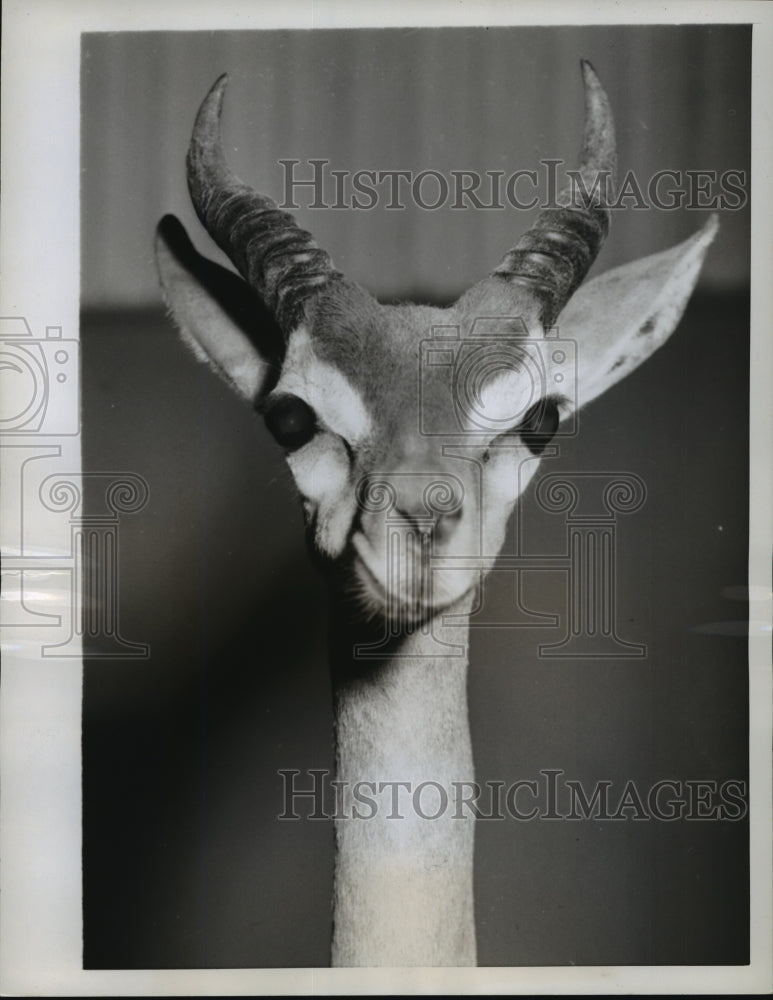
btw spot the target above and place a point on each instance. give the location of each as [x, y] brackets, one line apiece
[539, 425]
[292, 422]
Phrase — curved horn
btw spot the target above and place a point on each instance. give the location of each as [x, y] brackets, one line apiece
[554, 256]
[278, 259]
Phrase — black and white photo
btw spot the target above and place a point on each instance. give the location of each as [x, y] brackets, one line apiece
[393, 483]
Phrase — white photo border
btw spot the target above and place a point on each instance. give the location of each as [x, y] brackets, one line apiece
[40, 726]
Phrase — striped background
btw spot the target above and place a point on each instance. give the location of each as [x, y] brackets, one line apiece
[185, 863]
[412, 99]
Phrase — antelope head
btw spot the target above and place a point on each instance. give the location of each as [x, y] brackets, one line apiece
[411, 417]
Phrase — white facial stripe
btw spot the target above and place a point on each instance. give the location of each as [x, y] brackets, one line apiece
[338, 404]
[321, 472]
[334, 523]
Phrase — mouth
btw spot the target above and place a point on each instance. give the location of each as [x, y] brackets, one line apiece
[398, 586]
[409, 593]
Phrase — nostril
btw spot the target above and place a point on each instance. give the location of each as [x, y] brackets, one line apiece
[446, 523]
[432, 523]
[421, 522]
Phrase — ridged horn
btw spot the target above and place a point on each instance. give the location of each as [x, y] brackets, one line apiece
[554, 256]
[278, 259]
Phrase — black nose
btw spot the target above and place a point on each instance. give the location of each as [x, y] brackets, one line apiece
[437, 524]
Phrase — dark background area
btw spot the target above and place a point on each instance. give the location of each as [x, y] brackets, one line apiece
[185, 862]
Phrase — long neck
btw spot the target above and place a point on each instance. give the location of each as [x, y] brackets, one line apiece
[404, 852]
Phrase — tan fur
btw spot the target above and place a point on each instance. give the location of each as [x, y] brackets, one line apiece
[403, 887]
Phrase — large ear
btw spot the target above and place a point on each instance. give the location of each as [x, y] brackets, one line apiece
[620, 318]
[218, 315]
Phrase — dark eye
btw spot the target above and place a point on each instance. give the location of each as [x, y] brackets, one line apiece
[292, 422]
[539, 425]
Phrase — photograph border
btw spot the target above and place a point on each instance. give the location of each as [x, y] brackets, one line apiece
[40, 702]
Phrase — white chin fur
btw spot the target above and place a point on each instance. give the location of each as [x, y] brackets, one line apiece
[413, 596]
